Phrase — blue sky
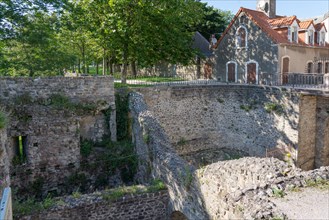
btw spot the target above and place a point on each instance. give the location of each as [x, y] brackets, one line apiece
[300, 8]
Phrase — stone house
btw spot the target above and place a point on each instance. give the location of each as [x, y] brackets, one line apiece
[260, 47]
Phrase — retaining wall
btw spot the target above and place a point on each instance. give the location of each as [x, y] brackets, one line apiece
[202, 121]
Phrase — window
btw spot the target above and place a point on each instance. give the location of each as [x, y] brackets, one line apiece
[322, 38]
[241, 37]
[294, 34]
[326, 67]
[309, 67]
[319, 69]
[310, 37]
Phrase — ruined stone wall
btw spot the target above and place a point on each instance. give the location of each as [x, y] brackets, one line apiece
[4, 162]
[314, 130]
[141, 206]
[242, 189]
[208, 122]
[53, 115]
[158, 159]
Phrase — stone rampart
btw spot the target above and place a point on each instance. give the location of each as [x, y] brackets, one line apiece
[249, 120]
[51, 116]
[146, 206]
[241, 189]
[158, 159]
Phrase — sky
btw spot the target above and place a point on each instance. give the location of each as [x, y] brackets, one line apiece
[300, 8]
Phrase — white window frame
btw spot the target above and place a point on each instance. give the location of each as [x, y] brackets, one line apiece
[246, 71]
[293, 28]
[236, 37]
[236, 70]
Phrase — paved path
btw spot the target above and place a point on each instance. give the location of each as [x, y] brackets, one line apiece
[308, 204]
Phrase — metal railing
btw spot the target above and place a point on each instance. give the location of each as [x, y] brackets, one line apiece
[6, 212]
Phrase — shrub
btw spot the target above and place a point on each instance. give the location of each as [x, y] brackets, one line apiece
[86, 147]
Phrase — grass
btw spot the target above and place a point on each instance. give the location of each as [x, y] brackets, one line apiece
[318, 183]
[273, 107]
[31, 206]
[113, 194]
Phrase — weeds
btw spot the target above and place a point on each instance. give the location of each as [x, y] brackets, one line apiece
[273, 107]
[279, 193]
[3, 119]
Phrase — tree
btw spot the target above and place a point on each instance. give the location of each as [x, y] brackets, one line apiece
[215, 21]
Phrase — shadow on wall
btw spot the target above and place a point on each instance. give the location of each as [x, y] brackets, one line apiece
[205, 123]
[157, 159]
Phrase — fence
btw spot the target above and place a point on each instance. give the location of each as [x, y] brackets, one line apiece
[6, 205]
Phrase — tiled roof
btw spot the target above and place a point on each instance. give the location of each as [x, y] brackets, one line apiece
[305, 24]
[267, 25]
[319, 26]
[281, 21]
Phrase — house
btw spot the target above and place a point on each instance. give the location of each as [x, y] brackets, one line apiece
[260, 47]
[201, 68]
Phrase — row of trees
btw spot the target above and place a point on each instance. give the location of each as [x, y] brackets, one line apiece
[44, 37]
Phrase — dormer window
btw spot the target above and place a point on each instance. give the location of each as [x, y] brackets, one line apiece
[322, 38]
[293, 34]
[241, 37]
[311, 37]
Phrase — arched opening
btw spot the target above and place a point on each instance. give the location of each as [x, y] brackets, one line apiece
[285, 69]
[319, 67]
[231, 71]
[176, 215]
[309, 67]
[326, 67]
[252, 72]
[241, 37]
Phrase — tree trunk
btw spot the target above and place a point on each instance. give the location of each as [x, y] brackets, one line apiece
[79, 69]
[104, 62]
[133, 69]
[125, 63]
[97, 69]
[83, 58]
[111, 65]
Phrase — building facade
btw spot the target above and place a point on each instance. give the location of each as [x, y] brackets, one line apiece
[260, 47]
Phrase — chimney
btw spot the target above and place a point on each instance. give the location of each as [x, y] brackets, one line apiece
[268, 7]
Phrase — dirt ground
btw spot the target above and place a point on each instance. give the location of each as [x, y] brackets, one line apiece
[307, 204]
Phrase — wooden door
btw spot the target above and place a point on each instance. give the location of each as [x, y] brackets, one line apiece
[285, 70]
[231, 72]
[251, 73]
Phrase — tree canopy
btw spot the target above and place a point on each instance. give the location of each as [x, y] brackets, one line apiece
[43, 37]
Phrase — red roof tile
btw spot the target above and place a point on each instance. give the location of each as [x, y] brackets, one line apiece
[282, 21]
[267, 25]
[305, 24]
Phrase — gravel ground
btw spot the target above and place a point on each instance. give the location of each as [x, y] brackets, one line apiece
[307, 204]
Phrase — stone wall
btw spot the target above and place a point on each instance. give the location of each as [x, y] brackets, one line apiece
[52, 115]
[208, 123]
[4, 162]
[158, 159]
[313, 132]
[241, 189]
[141, 206]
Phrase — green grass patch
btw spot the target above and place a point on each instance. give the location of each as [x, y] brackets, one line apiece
[318, 183]
[278, 192]
[113, 194]
[31, 205]
[273, 107]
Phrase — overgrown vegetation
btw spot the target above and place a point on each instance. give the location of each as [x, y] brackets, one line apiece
[279, 193]
[31, 205]
[61, 101]
[273, 107]
[122, 110]
[318, 183]
[113, 194]
[86, 147]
